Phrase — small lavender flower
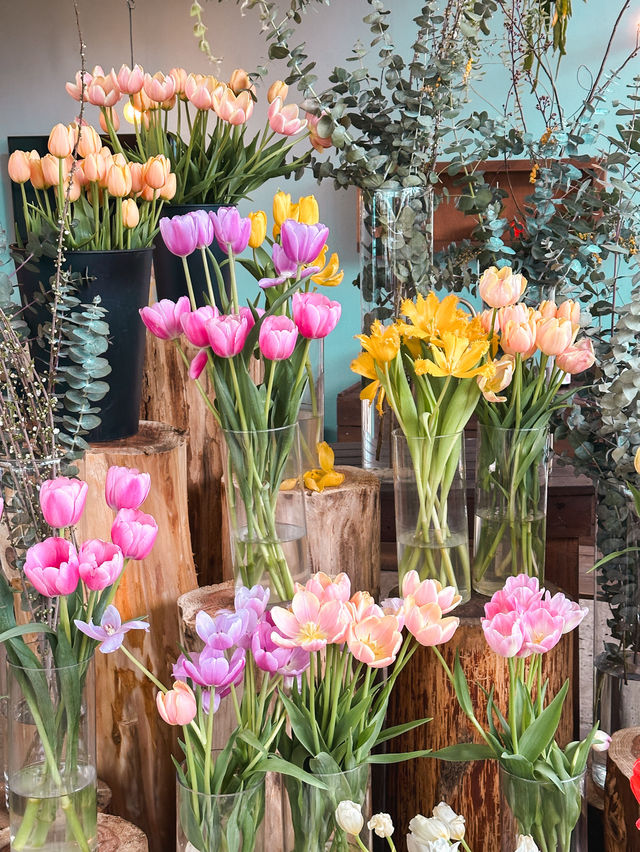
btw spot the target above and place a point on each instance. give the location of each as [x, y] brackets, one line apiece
[111, 631]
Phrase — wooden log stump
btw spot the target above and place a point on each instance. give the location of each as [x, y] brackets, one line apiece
[134, 744]
[114, 835]
[472, 788]
[169, 396]
[621, 810]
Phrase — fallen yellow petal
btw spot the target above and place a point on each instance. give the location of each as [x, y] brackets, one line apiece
[326, 456]
[289, 484]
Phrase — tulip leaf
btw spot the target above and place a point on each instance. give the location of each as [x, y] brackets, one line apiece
[397, 730]
[462, 688]
[398, 757]
[541, 731]
[464, 752]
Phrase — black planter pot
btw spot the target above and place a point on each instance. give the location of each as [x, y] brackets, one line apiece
[171, 282]
[122, 280]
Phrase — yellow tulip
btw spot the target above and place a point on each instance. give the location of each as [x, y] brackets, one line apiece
[258, 228]
[330, 276]
[492, 385]
[365, 366]
[383, 343]
[308, 212]
[431, 317]
[283, 209]
[455, 356]
[324, 477]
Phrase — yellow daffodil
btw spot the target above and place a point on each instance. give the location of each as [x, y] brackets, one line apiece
[325, 476]
[455, 356]
[365, 366]
[308, 212]
[383, 343]
[258, 228]
[330, 275]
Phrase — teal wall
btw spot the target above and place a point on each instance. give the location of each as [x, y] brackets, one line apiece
[35, 63]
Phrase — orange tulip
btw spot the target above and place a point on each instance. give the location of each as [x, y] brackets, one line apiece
[239, 81]
[279, 89]
[553, 336]
[179, 78]
[375, 640]
[229, 107]
[130, 213]
[159, 87]
[569, 310]
[156, 170]
[19, 167]
[119, 180]
[60, 142]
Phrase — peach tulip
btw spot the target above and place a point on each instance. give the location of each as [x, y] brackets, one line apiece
[375, 640]
[75, 189]
[130, 80]
[240, 81]
[141, 102]
[236, 109]
[156, 171]
[285, 119]
[103, 91]
[636, 461]
[553, 335]
[501, 287]
[51, 169]
[548, 309]
[569, 310]
[94, 167]
[60, 142]
[159, 87]
[519, 338]
[310, 624]
[19, 167]
[89, 141]
[179, 78]
[576, 358]
[279, 89]
[75, 89]
[37, 175]
[362, 605]
[130, 214]
[113, 118]
[500, 380]
[170, 187]
[512, 313]
[177, 706]
[429, 591]
[427, 624]
[327, 588]
[119, 180]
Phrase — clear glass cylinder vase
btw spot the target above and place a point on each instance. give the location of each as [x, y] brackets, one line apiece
[220, 823]
[554, 817]
[510, 516]
[309, 812]
[51, 760]
[266, 509]
[396, 255]
[312, 404]
[430, 492]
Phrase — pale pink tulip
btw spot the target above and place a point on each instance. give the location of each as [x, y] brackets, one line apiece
[569, 310]
[501, 287]
[542, 631]
[134, 533]
[429, 591]
[100, 564]
[310, 624]
[159, 87]
[503, 633]
[180, 79]
[236, 109]
[362, 605]
[103, 91]
[130, 80]
[427, 624]
[375, 641]
[519, 338]
[178, 706]
[164, 318]
[62, 501]
[553, 336]
[75, 89]
[285, 119]
[577, 358]
[51, 566]
[559, 605]
[126, 487]
[327, 588]
[522, 581]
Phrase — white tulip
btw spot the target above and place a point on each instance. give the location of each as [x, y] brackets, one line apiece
[440, 845]
[526, 843]
[453, 821]
[428, 828]
[601, 741]
[349, 817]
[381, 824]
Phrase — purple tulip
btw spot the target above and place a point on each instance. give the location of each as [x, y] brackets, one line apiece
[302, 243]
[228, 333]
[277, 337]
[204, 228]
[111, 631]
[255, 599]
[285, 269]
[100, 564]
[231, 229]
[212, 668]
[193, 324]
[134, 533]
[62, 501]
[180, 234]
[163, 319]
[223, 631]
[271, 657]
[315, 315]
[51, 566]
[126, 487]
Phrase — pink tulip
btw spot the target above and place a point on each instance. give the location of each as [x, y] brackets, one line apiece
[427, 624]
[327, 588]
[51, 566]
[315, 315]
[569, 611]
[231, 229]
[236, 109]
[194, 324]
[227, 334]
[429, 591]
[503, 633]
[317, 141]
[553, 336]
[522, 581]
[375, 641]
[164, 318]
[541, 629]
[204, 228]
[198, 363]
[104, 91]
[569, 310]
[75, 89]
[180, 234]
[177, 706]
[199, 90]
[576, 358]
[310, 624]
[501, 287]
[100, 564]
[362, 605]
[126, 487]
[134, 533]
[130, 80]
[62, 501]
[159, 88]
[285, 119]
[277, 337]
[519, 338]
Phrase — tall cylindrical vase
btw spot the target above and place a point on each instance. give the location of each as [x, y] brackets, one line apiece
[51, 761]
[266, 508]
[430, 493]
[396, 253]
[554, 817]
[512, 473]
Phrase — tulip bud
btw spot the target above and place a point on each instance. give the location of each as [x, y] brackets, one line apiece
[113, 118]
[179, 78]
[239, 81]
[59, 144]
[136, 170]
[156, 171]
[258, 228]
[126, 487]
[37, 174]
[169, 189]
[308, 212]
[94, 168]
[62, 501]
[177, 706]
[349, 817]
[119, 180]
[277, 90]
[130, 213]
[75, 189]
[51, 169]
[89, 141]
[19, 167]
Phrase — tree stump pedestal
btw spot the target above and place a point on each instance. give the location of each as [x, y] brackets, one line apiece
[114, 835]
[621, 810]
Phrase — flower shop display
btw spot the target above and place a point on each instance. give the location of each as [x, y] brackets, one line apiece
[533, 350]
[426, 369]
[337, 709]
[257, 361]
[51, 770]
[207, 148]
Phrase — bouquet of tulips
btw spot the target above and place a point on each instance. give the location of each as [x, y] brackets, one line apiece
[337, 709]
[51, 778]
[426, 368]
[541, 782]
[114, 203]
[534, 349]
[208, 150]
[257, 362]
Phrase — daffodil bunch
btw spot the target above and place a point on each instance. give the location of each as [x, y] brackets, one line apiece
[426, 365]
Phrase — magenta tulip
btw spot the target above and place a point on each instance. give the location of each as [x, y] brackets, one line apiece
[134, 533]
[180, 234]
[62, 501]
[51, 566]
[228, 333]
[303, 243]
[204, 228]
[126, 487]
[232, 230]
[100, 564]
[163, 318]
[193, 324]
[198, 364]
[277, 337]
[315, 315]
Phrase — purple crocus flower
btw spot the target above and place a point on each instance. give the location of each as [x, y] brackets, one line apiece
[212, 668]
[231, 229]
[204, 228]
[180, 234]
[222, 631]
[111, 631]
[302, 243]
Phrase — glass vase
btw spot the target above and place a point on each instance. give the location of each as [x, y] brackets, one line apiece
[616, 617]
[51, 760]
[396, 255]
[430, 492]
[312, 404]
[309, 812]
[512, 473]
[266, 509]
[220, 823]
[553, 816]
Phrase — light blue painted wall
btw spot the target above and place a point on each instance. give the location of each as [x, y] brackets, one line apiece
[35, 63]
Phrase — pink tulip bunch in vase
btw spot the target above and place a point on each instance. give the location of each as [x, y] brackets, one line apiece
[535, 349]
[51, 758]
[256, 358]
